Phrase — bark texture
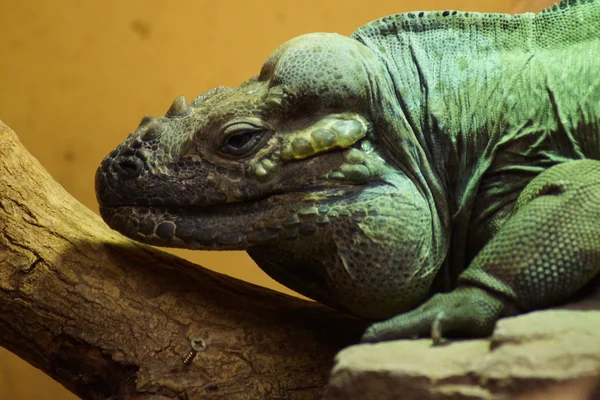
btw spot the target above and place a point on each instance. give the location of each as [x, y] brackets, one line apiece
[111, 318]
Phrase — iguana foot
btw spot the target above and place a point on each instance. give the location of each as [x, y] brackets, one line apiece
[466, 311]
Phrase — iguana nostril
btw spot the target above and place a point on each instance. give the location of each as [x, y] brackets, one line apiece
[129, 167]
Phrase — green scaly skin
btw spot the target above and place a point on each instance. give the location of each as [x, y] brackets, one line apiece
[435, 170]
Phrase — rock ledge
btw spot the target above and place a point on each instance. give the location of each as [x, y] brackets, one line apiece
[552, 354]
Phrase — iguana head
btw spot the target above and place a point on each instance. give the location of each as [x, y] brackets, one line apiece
[285, 166]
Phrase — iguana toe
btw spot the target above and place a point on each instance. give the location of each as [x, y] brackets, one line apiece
[466, 311]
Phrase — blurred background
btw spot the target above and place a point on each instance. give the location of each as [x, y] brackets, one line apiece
[77, 77]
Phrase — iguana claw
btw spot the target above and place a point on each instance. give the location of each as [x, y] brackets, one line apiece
[466, 311]
[436, 329]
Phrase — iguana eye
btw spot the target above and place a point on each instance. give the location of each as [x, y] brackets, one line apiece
[240, 138]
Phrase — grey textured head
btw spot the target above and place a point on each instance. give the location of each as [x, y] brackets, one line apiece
[285, 166]
[276, 134]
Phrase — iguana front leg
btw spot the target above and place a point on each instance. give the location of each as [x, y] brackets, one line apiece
[545, 252]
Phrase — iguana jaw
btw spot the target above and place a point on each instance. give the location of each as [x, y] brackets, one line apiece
[232, 226]
[344, 241]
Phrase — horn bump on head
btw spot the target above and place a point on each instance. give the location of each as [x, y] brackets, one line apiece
[179, 108]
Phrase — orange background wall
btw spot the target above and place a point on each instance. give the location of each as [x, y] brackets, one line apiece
[77, 76]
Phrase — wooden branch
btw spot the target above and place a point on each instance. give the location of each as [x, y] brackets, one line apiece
[111, 318]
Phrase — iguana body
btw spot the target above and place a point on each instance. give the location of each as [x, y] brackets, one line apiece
[369, 172]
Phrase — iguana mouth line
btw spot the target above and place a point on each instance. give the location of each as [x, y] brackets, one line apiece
[321, 193]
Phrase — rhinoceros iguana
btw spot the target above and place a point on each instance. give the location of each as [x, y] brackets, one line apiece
[434, 169]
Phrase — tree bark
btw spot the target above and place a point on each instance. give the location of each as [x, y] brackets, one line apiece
[111, 318]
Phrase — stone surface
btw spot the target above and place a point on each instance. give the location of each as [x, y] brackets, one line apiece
[552, 354]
